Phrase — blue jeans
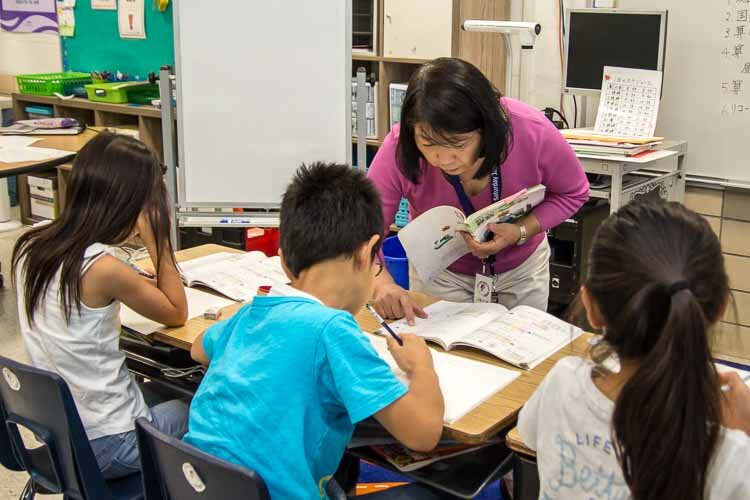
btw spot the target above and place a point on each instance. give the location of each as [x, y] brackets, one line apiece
[117, 455]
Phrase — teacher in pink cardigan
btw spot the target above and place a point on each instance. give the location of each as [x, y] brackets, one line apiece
[461, 143]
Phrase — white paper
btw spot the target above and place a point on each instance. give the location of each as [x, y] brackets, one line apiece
[629, 103]
[449, 321]
[432, 242]
[16, 142]
[652, 156]
[69, 3]
[66, 18]
[131, 18]
[234, 275]
[16, 155]
[197, 301]
[744, 374]
[104, 4]
[465, 383]
[523, 336]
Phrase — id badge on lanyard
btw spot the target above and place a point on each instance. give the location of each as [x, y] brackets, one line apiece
[484, 287]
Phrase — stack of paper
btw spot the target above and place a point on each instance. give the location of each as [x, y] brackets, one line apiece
[626, 117]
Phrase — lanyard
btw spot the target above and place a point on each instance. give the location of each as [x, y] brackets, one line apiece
[496, 186]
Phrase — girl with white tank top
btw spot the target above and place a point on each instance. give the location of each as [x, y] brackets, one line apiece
[70, 287]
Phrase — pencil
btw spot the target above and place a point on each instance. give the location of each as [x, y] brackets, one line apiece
[385, 325]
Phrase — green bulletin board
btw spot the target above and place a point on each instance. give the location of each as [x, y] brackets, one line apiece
[97, 45]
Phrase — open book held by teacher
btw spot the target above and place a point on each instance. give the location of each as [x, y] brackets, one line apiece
[433, 241]
[522, 336]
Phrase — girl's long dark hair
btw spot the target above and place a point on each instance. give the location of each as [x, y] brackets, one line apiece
[114, 179]
[656, 272]
[451, 96]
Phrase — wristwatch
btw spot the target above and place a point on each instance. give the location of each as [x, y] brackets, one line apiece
[523, 237]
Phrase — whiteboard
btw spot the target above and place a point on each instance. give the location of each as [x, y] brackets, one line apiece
[700, 102]
[261, 88]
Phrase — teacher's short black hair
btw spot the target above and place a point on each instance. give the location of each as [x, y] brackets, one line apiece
[451, 96]
[328, 211]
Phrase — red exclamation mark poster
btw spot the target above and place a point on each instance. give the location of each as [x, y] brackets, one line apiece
[131, 18]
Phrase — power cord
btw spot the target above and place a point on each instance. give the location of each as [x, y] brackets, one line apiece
[550, 114]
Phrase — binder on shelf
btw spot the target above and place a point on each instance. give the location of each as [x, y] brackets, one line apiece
[396, 93]
[370, 112]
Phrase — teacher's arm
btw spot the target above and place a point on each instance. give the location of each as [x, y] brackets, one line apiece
[390, 300]
[564, 178]
[567, 189]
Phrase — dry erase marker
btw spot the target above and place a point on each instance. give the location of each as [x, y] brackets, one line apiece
[385, 325]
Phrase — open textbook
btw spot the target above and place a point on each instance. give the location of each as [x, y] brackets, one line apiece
[234, 275]
[432, 241]
[465, 383]
[522, 336]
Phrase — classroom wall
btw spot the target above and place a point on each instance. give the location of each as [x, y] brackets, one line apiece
[543, 76]
[728, 213]
[27, 53]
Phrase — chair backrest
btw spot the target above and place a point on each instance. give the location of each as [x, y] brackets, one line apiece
[41, 402]
[175, 470]
[8, 458]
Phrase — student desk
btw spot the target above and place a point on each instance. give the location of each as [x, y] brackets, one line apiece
[72, 143]
[481, 424]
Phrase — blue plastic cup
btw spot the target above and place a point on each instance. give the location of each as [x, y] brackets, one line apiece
[396, 261]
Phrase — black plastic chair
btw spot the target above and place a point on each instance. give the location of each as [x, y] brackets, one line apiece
[175, 470]
[63, 462]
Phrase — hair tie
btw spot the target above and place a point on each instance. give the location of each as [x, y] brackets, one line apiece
[678, 286]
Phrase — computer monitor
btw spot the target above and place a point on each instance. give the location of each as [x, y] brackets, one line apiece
[595, 38]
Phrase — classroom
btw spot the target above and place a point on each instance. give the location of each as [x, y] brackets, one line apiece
[391, 249]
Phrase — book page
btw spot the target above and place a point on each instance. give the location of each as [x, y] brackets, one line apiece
[432, 241]
[506, 210]
[524, 337]
[448, 322]
[465, 383]
[197, 301]
[234, 275]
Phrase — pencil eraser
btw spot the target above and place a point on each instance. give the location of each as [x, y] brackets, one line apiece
[212, 313]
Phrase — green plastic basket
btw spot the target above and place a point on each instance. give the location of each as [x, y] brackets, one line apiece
[122, 92]
[51, 83]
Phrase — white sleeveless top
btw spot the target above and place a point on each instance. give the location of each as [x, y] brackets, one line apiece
[85, 353]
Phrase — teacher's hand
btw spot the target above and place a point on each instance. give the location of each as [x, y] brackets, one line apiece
[393, 302]
[504, 235]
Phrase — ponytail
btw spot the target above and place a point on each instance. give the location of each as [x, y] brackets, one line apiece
[656, 273]
[661, 415]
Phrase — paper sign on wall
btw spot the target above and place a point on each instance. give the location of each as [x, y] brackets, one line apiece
[104, 4]
[66, 17]
[131, 18]
[28, 16]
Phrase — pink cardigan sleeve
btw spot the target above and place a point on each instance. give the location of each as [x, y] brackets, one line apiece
[385, 175]
[564, 177]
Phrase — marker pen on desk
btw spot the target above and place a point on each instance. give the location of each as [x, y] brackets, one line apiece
[385, 325]
[236, 220]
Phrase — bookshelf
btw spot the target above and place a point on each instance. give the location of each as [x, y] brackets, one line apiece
[392, 38]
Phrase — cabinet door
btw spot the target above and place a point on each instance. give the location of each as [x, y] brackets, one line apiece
[417, 29]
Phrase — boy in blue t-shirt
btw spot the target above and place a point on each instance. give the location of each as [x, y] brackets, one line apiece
[289, 376]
